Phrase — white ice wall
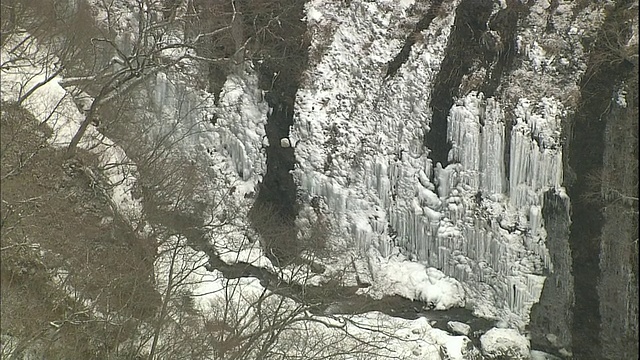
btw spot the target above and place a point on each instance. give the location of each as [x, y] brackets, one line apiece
[535, 164]
[242, 115]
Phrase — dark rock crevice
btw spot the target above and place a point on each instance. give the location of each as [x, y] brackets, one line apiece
[404, 53]
[283, 59]
[463, 50]
[584, 238]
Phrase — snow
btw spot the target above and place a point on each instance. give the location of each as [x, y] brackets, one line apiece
[540, 355]
[415, 281]
[407, 339]
[621, 97]
[313, 15]
[542, 73]
[459, 328]
[242, 114]
[411, 339]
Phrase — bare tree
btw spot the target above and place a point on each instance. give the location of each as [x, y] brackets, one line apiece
[248, 320]
[154, 45]
[100, 275]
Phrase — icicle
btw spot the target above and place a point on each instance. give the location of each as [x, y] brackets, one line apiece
[492, 154]
[534, 219]
[361, 231]
[383, 185]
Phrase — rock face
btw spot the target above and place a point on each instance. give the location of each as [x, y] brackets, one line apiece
[551, 317]
[449, 157]
[618, 285]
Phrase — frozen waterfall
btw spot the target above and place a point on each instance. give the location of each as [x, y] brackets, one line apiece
[360, 146]
[479, 227]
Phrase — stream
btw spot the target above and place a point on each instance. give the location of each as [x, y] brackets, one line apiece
[344, 300]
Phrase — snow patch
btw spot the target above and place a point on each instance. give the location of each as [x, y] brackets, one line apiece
[415, 281]
[53, 104]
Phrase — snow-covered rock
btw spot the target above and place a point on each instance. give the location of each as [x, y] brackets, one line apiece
[285, 143]
[505, 344]
[415, 281]
[541, 355]
[459, 328]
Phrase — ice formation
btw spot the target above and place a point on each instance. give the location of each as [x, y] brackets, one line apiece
[360, 146]
[414, 281]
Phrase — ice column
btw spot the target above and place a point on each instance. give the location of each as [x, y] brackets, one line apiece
[479, 148]
[463, 132]
[382, 183]
[535, 215]
[160, 91]
[492, 156]
[523, 292]
[240, 124]
[532, 169]
[536, 156]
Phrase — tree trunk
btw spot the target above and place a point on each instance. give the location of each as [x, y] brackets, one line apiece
[165, 305]
[73, 145]
[237, 33]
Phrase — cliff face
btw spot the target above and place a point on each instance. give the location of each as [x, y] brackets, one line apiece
[493, 140]
[618, 283]
[552, 316]
[369, 142]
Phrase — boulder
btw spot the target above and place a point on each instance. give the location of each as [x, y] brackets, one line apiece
[505, 344]
[459, 328]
